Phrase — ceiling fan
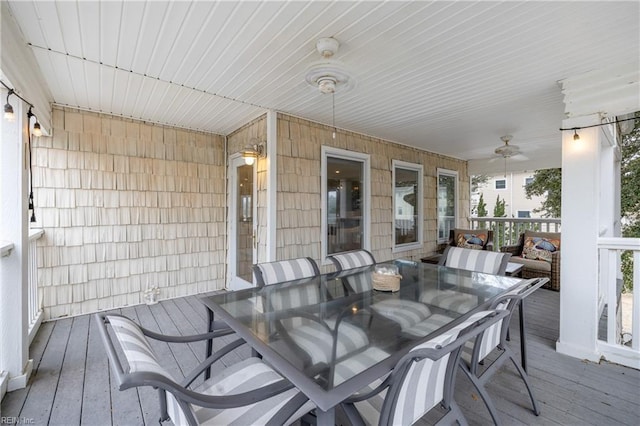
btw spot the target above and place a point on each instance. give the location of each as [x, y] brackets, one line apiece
[508, 151]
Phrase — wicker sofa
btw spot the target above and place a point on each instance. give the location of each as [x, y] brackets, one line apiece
[486, 236]
[534, 268]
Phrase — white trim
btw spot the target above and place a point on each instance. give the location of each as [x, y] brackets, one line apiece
[272, 185]
[577, 352]
[365, 159]
[20, 381]
[454, 173]
[419, 169]
[5, 248]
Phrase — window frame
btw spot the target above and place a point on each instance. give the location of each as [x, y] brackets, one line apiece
[528, 178]
[419, 169]
[495, 184]
[454, 174]
[523, 217]
[344, 154]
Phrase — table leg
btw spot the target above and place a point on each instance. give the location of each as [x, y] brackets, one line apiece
[207, 373]
[326, 418]
[523, 337]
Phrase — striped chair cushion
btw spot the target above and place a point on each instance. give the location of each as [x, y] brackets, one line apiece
[406, 313]
[360, 283]
[135, 346]
[352, 259]
[450, 300]
[317, 341]
[287, 270]
[245, 376]
[422, 387]
[294, 296]
[488, 262]
[492, 335]
[427, 326]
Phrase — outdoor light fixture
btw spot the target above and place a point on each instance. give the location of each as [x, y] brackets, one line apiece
[252, 151]
[576, 136]
[8, 109]
[37, 131]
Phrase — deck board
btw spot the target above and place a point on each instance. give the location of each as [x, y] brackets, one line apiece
[68, 397]
[72, 382]
[96, 396]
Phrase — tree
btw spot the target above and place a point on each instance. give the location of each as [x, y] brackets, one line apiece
[499, 210]
[630, 196]
[547, 183]
[482, 207]
[478, 181]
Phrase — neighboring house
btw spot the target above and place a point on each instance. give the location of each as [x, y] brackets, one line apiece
[509, 187]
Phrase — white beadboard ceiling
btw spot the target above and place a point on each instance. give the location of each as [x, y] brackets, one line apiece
[448, 77]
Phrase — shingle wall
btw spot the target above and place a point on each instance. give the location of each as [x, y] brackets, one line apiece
[125, 206]
[299, 182]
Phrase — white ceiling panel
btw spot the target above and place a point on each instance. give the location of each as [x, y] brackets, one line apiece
[445, 76]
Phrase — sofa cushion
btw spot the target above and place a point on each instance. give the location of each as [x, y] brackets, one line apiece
[476, 240]
[539, 265]
[539, 245]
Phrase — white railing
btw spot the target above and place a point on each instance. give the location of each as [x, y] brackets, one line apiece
[614, 347]
[507, 230]
[34, 308]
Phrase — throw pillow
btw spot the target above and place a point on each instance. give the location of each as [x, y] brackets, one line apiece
[471, 241]
[537, 248]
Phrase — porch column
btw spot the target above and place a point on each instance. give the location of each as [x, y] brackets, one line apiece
[14, 346]
[581, 171]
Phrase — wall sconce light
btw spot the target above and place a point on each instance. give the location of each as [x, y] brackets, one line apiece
[255, 149]
[37, 131]
[8, 109]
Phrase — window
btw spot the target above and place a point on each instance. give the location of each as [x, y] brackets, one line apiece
[528, 181]
[345, 201]
[407, 203]
[501, 184]
[447, 203]
[524, 213]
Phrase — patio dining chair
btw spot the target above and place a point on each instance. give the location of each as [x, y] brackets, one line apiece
[315, 337]
[268, 273]
[421, 380]
[495, 340]
[484, 261]
[249, 392]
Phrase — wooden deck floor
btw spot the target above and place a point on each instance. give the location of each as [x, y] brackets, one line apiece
[71, 383]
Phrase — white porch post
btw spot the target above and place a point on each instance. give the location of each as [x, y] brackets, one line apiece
[272, 185]
[580, 228]
[14, 343]
[590, 198]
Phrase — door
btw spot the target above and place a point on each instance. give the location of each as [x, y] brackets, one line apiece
[242, 224]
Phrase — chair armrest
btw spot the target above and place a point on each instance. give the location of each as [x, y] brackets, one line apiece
[510, 249]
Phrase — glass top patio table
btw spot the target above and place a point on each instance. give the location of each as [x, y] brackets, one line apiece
[334, 334]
